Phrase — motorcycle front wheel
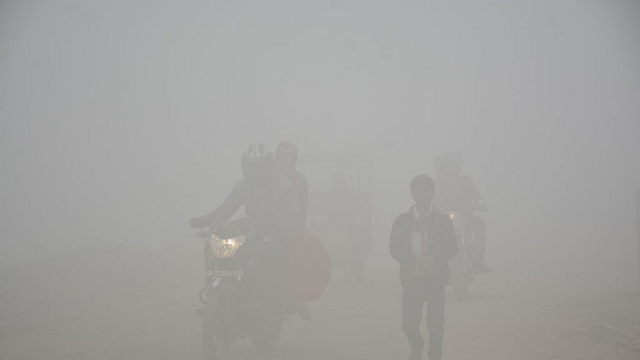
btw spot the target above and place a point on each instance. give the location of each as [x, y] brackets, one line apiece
[215, 340]
[216, 346]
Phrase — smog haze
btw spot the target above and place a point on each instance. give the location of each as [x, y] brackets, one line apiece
[122, 120]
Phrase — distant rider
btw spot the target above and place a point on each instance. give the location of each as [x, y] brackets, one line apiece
[285, 164]
[455, 192]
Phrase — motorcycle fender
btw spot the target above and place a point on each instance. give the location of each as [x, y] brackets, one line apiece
[212, 305]
[221, 306]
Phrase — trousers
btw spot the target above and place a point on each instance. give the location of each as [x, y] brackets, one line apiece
[414, 294]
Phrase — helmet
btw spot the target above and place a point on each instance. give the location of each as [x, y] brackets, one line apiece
[257, 161]
[449, 161]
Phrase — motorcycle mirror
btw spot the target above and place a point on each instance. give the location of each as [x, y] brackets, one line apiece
[202, 234]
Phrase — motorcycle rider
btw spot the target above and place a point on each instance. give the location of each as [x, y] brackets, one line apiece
[458, 192]
[270, 204]
[285, 164]
[269, 198]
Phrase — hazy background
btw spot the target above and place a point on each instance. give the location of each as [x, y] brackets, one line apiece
[121, 120]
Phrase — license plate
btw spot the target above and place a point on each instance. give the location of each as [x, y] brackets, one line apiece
[225, 273]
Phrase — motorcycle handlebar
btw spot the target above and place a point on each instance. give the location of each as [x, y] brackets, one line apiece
[233, 228]
[246, 225]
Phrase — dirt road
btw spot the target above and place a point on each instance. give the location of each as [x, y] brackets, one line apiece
[141, 306]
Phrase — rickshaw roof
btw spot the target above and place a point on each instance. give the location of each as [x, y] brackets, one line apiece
[335, 157]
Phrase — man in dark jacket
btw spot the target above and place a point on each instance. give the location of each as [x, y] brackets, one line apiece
[423, 241]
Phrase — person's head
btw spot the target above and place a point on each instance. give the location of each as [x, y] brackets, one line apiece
[257, 163]
[286, 155]
[422, 190]
[448, 165]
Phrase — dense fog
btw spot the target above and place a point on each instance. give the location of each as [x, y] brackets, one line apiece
[121, 120]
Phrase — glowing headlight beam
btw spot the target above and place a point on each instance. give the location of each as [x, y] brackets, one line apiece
[225, 248]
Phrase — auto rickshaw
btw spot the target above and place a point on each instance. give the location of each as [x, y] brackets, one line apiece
[340, 207]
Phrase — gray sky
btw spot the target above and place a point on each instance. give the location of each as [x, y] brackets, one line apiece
[121, 120]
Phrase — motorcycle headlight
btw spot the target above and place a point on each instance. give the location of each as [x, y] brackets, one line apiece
[225, 248]
[455, 217]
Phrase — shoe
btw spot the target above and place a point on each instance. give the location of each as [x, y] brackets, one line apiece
[483, 268]
[304, 311]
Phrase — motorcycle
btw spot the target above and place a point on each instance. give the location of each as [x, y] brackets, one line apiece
[463, 269]
[238, 301]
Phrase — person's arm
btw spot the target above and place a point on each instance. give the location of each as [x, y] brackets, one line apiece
[477, 197]
[291, 216]
[474, 193]
[398, 246]
[225, 211]
[450, 241]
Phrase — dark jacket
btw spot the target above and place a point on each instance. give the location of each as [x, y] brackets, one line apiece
[274, 204]
[441, 242]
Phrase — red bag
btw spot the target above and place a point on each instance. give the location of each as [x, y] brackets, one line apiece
[309, 267]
